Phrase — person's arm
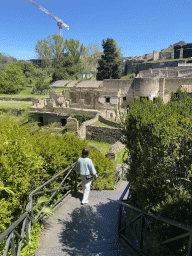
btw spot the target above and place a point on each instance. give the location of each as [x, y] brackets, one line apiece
[92, 169]
[77, 166]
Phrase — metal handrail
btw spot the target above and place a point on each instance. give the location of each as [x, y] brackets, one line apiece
[28, 217]
[140, 248]
[114, 174]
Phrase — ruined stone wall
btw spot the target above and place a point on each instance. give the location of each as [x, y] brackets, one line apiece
[155, 55]
[116, 90]
[81, 132]
[108, 114]
[72, 124]
[49, 118]
[106, 134]
[85, 98]
[108, 122]
[145, 87]
[148, 56]
[172, 84]
[114, 149]
[67, 111]
[165, 55]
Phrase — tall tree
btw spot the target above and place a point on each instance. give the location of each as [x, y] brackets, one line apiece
[73, 48]
[66, 69]
[109, 64]
[89, 61]
[4, 61]
[52, 47]
[12, 79]
[68, 66]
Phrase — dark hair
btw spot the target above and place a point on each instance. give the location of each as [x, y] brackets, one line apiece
[85, 152]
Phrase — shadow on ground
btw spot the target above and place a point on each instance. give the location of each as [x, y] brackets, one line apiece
[88, 223]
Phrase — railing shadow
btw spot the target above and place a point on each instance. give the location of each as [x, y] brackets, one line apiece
[88, 224]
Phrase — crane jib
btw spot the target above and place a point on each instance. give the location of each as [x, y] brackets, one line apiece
[50, 14]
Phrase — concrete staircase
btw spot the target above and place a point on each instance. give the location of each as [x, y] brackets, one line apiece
[105, 247]
[84, 230]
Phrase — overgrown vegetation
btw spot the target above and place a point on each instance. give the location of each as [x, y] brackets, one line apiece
[158, 137]
[132, 75]
[169, 49]
[61, 60]
[30, 156]
[22, 105]
[98, 123]
[81, 118]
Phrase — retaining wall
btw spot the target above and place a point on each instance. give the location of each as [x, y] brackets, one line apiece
[82, 129]
[105, 134]
[108, 122]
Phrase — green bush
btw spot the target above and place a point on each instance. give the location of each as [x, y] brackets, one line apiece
[41, 87]
[158, 137]
[29, 157]
[12, 80]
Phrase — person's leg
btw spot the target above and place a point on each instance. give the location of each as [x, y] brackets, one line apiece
[83, 182]
[86, 190]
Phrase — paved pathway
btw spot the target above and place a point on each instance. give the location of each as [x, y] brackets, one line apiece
[85, 229]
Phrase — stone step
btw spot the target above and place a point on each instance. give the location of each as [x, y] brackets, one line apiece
[103, 247]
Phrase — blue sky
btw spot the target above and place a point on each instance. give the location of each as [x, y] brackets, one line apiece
[138, 26]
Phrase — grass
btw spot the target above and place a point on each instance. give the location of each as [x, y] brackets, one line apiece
[128, 76]
[26, 93]
[168, 49]
[15, 104]
[104, 147]
[98, 123]
[120, 156]
[156, 61]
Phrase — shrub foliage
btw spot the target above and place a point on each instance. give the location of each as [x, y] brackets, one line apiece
[30, 157]
[159, 140]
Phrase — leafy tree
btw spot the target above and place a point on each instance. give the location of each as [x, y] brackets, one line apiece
[109, 64]
[41, 87]
[66, 69]
[181, 94]
[158, 137]
[52, 47]
[28, 70]
[89, 61]
[12, 79]
[74, 49]
[4, 61]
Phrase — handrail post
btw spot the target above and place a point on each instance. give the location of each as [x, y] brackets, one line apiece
[75, 181]
[142, 232]
[120, 216]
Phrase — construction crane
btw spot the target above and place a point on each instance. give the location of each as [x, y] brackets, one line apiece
[59, 21]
